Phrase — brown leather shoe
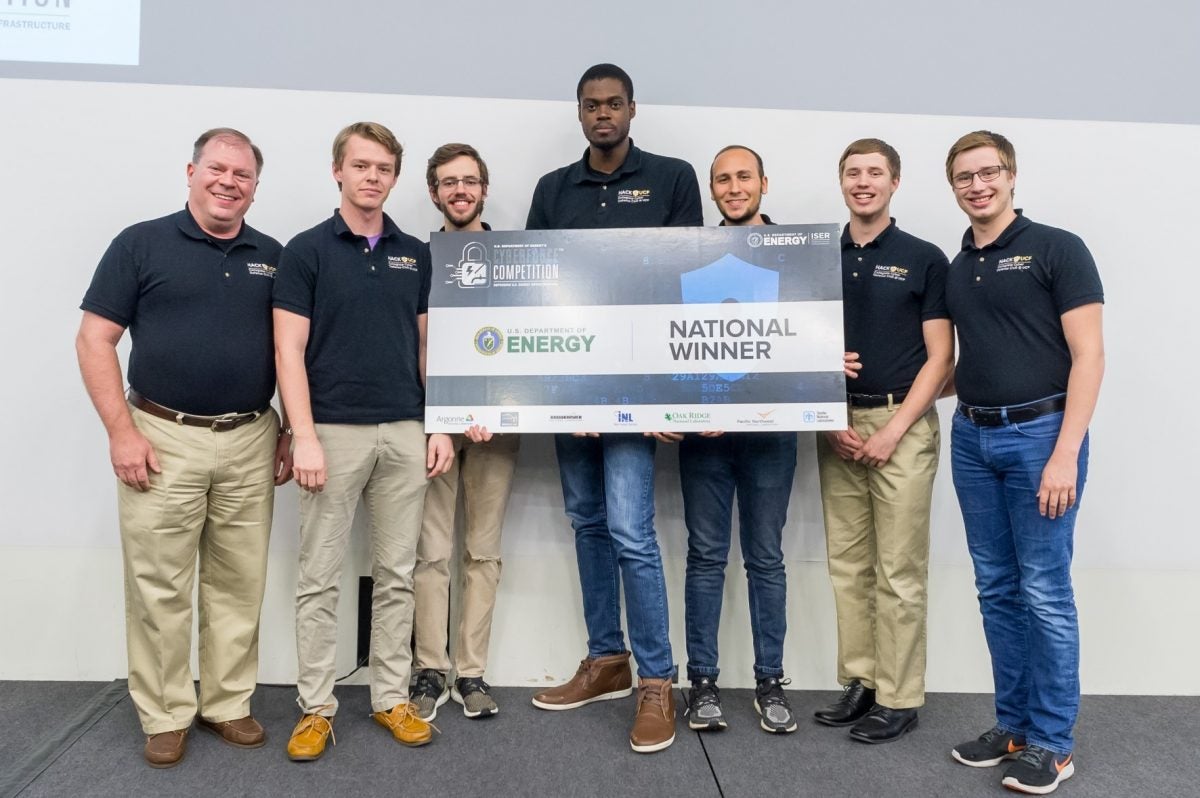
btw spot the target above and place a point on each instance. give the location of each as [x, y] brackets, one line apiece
[654, 726]
[244, 732]
[308, 738]
[165, 749]
[405, 725]
[598, 679]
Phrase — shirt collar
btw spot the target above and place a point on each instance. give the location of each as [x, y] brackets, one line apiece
[580, 172]
[765, 220]
[1002, 240]
[342, 230]
[486, 226]
[188, 225]
[877, 241]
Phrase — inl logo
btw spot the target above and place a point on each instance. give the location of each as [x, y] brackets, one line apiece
[623, 416]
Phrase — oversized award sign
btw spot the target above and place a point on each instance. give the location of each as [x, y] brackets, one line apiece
[666, 329]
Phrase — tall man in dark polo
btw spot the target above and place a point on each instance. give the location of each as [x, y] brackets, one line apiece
[877, 476]
[608, 480]
[485, 463]
[759, 468]
[350, 317]
[196, 447]
[1026, 300]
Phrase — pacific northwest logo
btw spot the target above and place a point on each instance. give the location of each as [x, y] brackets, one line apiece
[488, 341]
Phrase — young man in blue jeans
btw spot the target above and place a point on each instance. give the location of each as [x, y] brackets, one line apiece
[1026, 300]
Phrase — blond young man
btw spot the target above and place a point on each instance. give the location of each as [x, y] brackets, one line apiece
[877, 475]
[1026, 300]
[350, 317]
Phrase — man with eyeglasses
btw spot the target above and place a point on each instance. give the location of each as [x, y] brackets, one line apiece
[877, 476]
[757, 467]
[458, 183]
[1026, 300]
[608, 480]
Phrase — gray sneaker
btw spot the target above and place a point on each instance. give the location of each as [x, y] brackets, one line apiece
[772, 705]
[428, 693]
[472, 693]
[704, 706]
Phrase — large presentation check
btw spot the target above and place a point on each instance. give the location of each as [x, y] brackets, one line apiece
[664, 329]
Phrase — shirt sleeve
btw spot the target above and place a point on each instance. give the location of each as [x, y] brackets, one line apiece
[537, 219]
[1074, 278]
[115, 287]
[685, 205]
[295, 283]
[426, 266]
[933, 303]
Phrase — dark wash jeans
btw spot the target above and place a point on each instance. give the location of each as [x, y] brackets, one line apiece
[758, 467]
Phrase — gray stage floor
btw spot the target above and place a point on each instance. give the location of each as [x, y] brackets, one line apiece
[83, 739]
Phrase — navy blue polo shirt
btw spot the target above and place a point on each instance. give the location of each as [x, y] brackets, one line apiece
[1007, 300]
[647, 190]
[198, 310]
[890, 287]
[362, 304]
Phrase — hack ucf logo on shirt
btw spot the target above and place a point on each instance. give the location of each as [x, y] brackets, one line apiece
[1017, 263]
[402, 262]
[890, 272]
[261, 270]
[633, 195]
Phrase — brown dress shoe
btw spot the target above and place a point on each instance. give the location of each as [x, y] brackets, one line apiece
[244, 732]
[165, 749]
[654, 726]
[598, 679]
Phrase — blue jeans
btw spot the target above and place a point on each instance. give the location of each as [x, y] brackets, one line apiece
[608, 492]
[1022, 573]
[759, 467]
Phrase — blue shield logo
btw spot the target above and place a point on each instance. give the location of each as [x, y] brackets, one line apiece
[730, 279]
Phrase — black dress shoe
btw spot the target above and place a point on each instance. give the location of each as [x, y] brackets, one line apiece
[855, 702]
[884, 724]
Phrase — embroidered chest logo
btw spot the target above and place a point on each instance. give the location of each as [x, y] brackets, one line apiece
[890, 272]
[261, 270]
[402, 262]
[1017, 263]
[633, 195]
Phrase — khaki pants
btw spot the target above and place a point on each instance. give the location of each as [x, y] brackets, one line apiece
[487, 475]
[212, 502]
[877, 534]
[385, 465]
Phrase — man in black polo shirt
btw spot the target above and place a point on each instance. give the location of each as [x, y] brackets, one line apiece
[759, 468]
[196, 447]
[350, 318]
[608, 480]
[458, 182]
[1026, 300]
[877, 476]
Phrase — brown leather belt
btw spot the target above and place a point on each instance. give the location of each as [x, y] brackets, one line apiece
[222, 423]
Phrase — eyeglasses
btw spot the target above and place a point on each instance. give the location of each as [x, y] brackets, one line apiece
[987, 174]
[451, 183]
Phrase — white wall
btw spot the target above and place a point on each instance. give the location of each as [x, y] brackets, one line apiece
[86, 159]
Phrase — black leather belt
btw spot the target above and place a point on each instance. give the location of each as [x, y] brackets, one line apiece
[222, 423]
[875, 399]
[1016, 414]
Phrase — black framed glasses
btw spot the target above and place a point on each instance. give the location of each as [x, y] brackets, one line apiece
[987, 174]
